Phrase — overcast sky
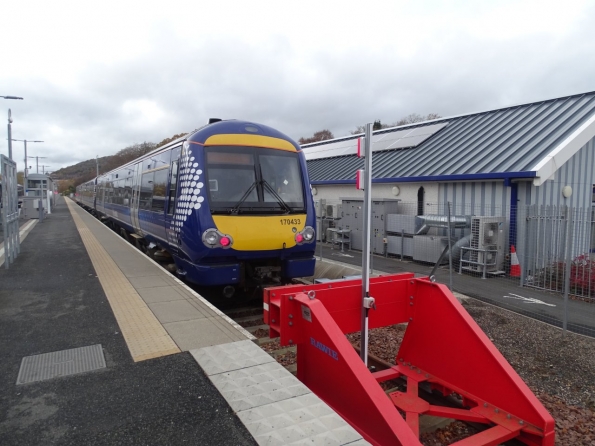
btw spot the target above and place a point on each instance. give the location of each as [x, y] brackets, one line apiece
[100, 76]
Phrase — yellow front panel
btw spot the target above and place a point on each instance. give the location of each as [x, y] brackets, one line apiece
[250, 141]
[253, 233]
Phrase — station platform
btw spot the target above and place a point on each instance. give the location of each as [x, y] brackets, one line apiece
[101, 346]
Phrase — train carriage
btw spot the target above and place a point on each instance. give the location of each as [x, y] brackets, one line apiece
[230, 203]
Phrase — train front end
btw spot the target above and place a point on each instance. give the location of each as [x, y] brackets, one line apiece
[245, 215]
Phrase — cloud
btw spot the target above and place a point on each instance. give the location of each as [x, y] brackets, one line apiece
[107, 84]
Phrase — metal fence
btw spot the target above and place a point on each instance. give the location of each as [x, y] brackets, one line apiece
[10, 210]
[536, 260]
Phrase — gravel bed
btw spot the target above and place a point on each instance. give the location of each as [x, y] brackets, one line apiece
[251, 323]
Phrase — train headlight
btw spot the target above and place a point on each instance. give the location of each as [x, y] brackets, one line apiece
[210, 237]
[214, 239]
[308, 233]
[305, 236]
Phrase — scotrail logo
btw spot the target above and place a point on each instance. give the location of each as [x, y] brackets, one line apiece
[323, 348]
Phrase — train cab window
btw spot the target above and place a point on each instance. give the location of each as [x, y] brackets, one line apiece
[253, 180]
[234, 175]
[282, 173]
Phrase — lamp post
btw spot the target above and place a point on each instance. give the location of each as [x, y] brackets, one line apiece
[26, 170]
[9, 126]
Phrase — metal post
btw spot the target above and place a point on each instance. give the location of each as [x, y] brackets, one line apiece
[449, 249]
[402, 243]
[367, 301]
[9, 135]
[25, 185]
[569, 230]
[41, 209]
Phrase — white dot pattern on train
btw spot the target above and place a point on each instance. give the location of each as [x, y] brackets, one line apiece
[190, 198]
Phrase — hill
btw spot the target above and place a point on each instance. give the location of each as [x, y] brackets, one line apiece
[72, 176]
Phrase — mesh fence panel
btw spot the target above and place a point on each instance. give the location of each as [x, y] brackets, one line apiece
[534, 260]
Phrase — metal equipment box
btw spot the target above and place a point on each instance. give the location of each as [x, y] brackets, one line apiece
[353, 219]
[401, 223]
[398, 245]
[428, 248]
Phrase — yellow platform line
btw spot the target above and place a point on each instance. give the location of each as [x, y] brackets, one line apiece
[145, 336]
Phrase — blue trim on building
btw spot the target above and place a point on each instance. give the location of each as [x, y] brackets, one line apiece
[514, 194]
[506, 176]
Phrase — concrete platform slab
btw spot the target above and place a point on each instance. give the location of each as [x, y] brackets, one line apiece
[149, 282]
[196, 333]
[159, 294]
[175, 311]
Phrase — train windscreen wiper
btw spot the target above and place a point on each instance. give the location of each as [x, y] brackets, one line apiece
[280, 200]
[236, 208]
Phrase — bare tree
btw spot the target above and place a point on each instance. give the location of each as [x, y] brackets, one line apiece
[409, 119]
[321, 135]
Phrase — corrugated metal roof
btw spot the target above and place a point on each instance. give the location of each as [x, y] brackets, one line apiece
[496, 143]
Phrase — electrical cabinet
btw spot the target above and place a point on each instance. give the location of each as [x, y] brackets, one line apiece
[352, 211]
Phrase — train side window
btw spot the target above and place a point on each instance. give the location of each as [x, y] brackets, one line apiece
[159, 189]
[127, 191]
[146, 191]
[172, 188]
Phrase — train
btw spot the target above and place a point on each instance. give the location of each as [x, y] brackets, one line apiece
[229, 203]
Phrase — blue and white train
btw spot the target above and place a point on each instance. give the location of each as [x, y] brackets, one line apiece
[230, 203]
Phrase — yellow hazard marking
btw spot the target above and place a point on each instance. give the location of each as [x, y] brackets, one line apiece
[145, 336]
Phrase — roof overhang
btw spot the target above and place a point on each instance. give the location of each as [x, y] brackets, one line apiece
[548, 166]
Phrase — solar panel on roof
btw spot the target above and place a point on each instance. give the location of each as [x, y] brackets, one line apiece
[398, 139]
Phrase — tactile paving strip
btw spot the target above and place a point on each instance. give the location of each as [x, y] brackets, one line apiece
[62, 363]
[145, 336]
[275, 407]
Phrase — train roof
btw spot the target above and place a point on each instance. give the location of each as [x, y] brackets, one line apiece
[200, 135]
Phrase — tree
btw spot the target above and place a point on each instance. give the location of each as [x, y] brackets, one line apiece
[21, 178]
[409, 119]
[414, 117]
[173, 138]
[321, 135]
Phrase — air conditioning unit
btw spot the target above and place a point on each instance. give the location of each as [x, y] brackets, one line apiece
[488, 238]
[333, 211]
[320, 208]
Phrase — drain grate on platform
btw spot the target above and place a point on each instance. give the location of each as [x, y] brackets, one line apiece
[62, 363]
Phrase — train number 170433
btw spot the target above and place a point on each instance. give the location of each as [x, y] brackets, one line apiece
[290, 221]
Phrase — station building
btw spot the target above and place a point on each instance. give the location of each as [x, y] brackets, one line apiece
[493, 163]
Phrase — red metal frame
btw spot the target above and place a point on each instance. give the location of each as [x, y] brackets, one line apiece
[442, 347]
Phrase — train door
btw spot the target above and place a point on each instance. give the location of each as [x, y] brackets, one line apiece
[171, 202]
[134, 202]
